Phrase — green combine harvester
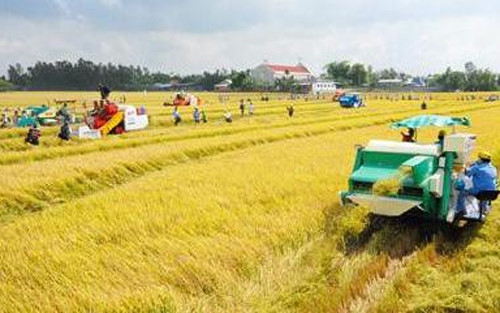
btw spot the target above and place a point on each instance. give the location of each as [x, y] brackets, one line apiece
[424, 174]
[39, 115]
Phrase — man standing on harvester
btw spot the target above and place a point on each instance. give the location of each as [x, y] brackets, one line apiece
[105, 111]
[105, 91]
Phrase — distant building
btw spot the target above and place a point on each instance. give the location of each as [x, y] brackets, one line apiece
[390, 83]
[323, 87]
[175, 86]
[416, 82]
[161, 86]
[268, 73]
[225, 85]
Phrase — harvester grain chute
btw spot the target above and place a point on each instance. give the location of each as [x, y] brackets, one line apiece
[424, 175]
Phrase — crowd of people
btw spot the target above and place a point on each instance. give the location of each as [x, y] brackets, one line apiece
[200, 115]
[29, 118]
[12, 118]
[19, 117]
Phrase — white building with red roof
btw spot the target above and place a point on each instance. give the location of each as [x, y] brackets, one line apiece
[267, 73]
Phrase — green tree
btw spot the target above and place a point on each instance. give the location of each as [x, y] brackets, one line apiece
[242, 81]
[358, 75]
[238, 78]
[470, 68]
[481, 80]
[17, 75]
[388, 74]
[5, 85]
[339, 71]
[452, 80]
[372, 77]
[285, 84]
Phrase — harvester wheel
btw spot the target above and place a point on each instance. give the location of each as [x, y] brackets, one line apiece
[427, 230]
[376, 222]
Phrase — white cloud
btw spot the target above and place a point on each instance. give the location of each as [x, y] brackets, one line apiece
[63, 6]
[406, 36]
[112, 3]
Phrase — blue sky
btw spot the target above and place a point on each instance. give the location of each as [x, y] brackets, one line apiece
[417, 36]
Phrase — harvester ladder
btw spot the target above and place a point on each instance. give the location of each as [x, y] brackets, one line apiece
[112, 123]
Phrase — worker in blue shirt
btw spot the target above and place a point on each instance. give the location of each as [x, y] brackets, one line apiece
[196, 116]
[483, 174]
[177, 116]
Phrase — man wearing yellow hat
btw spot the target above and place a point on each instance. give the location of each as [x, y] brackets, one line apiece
[483, 174]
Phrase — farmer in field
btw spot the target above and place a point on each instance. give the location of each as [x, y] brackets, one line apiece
[228, 117]
[5, 121]
[290, 110]
[250, 107]
[242, 107]
[33, 136]
[204, 116]
[15, 118]
[483, 174]
[65, 132]
[177, 116]
[409, 136]
[196, 116]
[64, 113]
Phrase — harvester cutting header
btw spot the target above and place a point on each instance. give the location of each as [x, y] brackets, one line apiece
[435, 181]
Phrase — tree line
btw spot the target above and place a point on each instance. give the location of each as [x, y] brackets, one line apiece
[470, 79]
[81, 75]
[86, 75]
[359, 74]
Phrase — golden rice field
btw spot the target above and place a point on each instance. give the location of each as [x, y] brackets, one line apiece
[219, 217]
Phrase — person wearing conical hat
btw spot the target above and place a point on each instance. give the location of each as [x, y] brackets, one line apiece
[483, 174]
